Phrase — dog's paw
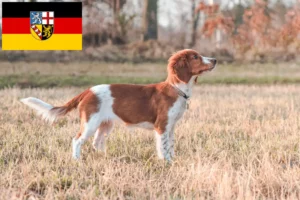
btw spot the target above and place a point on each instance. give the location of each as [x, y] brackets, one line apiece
[172, 154]
[168, 159]
[75, 156]
[76, 149]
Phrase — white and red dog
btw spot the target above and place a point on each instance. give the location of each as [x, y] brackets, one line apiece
[156, 106]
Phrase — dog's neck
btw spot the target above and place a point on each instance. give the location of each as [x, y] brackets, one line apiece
[184, 87]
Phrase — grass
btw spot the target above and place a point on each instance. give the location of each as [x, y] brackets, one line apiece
[235, 142]
[83, 74]
[63, 81]
[239, 139]
[47, 81]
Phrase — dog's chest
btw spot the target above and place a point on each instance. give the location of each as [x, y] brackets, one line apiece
[177, 110]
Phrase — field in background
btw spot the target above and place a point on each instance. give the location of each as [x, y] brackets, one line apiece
[34, 74]
[234, 142]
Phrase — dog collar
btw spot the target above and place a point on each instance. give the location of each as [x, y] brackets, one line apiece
[181, 93]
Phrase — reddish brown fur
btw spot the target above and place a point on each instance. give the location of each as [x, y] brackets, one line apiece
[88, 104]
[143, 103]
[136, 103]
[70, 105]
[182, 66]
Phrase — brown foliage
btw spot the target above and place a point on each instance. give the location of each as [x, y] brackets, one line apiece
[215, 19]
[289, 32]
[259, 29]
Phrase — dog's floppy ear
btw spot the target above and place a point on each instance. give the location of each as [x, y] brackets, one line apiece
[181, 70]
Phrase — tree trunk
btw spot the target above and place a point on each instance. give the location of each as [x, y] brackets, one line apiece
[116, 10]
[150, 20]
[195, 18]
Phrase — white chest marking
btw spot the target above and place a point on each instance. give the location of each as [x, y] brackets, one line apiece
[176, 111]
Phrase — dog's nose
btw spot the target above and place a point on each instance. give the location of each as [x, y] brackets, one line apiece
[214, 61]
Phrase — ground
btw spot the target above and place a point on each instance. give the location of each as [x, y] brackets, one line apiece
[235, 142]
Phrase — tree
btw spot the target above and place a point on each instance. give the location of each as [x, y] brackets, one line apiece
[115, 31]
[215, 21]
[150, 20]
[195, 19]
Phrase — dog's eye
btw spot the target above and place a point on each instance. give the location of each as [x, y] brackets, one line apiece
[195, 56]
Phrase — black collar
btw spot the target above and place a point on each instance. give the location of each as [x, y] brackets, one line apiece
[180, 93]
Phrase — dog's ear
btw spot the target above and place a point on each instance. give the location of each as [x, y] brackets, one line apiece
[181, 70]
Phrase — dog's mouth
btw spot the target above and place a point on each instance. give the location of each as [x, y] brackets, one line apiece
[206, 70]
[210, 69]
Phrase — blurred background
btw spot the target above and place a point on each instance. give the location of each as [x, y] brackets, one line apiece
[130, 41]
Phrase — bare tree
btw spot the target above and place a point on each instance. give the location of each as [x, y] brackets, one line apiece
[195, 19]
[116, 6]
[150, 20]
[116, 30]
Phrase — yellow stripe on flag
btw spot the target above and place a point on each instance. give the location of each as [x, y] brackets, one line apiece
[28, 42]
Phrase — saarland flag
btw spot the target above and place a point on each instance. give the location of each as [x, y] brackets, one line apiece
[42, 26]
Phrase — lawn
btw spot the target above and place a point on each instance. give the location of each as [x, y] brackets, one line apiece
[85, 74]
[235, 142]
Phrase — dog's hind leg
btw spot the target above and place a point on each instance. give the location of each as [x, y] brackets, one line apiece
[89, 128]
[91, 119]
[102, 132]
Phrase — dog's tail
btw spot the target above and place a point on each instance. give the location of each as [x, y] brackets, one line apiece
[50, 112]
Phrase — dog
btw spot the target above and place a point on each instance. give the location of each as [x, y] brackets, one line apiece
[155, 106]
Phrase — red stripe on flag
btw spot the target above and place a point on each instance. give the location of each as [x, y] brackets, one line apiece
[15, 25]
[67, 25]
[22, 25]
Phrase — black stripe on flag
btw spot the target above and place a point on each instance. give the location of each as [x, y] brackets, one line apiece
[22, 9]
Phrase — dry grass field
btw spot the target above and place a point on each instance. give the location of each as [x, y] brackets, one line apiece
[235, 142]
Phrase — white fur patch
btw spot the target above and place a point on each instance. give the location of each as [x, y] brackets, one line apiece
[165, 141]
[106, 100]
[40, 106]
[187, 88]
[206, 60]
[144, 125]
[159, 147]
[105, 113]
[99, 141]
[176, 112]
[75, 149]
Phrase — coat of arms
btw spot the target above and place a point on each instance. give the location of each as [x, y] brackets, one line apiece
[41, 24]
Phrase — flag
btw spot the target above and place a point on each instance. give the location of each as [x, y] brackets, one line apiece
[42, 26]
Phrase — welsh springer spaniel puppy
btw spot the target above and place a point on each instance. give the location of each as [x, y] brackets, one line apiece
[156, 106]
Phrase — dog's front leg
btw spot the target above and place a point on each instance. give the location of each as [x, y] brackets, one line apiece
[172, 141]
[163, 145]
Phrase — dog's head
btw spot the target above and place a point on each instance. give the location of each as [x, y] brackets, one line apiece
[188, 63]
